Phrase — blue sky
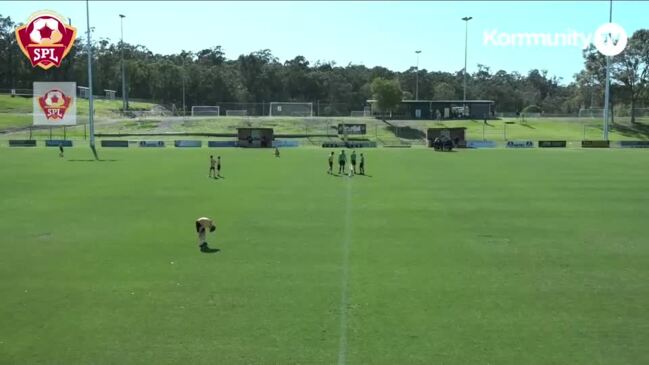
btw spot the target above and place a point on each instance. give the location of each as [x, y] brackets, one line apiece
[382, 33]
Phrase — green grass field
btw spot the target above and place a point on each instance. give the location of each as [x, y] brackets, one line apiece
[472, 257]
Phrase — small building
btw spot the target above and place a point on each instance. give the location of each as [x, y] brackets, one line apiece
[255, 137]
[456, 135]
[440, 109]
[109, 94]
[83, 92]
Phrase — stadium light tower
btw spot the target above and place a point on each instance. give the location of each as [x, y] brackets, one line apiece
[184, 114]
[91, 110]
[466, 39]
[121, 23]
[417, 76]
[607, 93]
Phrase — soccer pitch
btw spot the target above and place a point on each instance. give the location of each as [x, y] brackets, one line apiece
[470, 257]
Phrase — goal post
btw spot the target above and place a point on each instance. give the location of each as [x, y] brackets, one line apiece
[291, 109]
[205, 110]
[591, 113]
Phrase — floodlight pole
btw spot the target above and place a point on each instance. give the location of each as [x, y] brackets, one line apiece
[91, 110]
[121, 23]
[417, 76]
[607, 95]
[184, 87]
[466, 42]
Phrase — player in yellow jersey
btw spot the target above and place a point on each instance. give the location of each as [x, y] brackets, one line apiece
[202, 225]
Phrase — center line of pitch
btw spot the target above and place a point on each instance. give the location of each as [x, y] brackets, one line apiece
[342, 347]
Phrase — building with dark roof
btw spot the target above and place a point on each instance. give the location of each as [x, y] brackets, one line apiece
[439, 109]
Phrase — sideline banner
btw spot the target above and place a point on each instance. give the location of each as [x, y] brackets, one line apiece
[634, 144]
[480, 144]
[152, 143]
[595, 144]
[520, 144]
[187, 143]
[552, 144]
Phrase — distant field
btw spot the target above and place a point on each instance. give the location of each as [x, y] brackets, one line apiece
[474, 257]
[108, 120]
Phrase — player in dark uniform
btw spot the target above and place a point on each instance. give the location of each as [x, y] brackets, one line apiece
[353, 158]
[60, 149]
[212, 164]
[342, 159]
[218, 166]
[362, 165]
[331, 163]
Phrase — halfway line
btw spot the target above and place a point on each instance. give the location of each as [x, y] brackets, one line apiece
[342, 347]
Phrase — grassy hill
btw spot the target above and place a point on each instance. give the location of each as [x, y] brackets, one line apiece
[16, 113]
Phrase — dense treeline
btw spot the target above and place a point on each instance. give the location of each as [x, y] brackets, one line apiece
[258, 77]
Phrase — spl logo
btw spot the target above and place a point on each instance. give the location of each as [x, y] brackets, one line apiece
[54, 104]
[45, 39]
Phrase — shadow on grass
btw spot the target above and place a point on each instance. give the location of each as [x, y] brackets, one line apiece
[407, 132]
[92, 160]
[633, 130]
[527, 125]
[211, 250]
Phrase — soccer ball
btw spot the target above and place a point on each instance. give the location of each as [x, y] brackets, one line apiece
[54, 98]
[46, 31]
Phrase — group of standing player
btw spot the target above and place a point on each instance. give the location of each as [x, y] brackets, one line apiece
[342, 161]
[204, 224]
[215, 167]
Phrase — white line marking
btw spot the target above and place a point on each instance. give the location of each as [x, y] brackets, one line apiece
[342, 347]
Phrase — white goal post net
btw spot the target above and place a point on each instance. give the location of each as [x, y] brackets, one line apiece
[361, 113]
[286, 109]
[236, 113]
[205, 110]
[591, 113]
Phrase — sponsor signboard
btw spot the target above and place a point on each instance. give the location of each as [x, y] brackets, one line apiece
[222, 144]
[114, 143]
[22, 143]
[351, 129]
[520, 144]
[187, 143]
[552, 144]
[595, 144]
[480, 144]
[634, 144]
[152, 143]
[285, 143]
[58, 142]
[367, 144]
[54, 103]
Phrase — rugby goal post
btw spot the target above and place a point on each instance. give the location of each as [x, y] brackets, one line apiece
[236, 113]
[291, 109]
[205, 110]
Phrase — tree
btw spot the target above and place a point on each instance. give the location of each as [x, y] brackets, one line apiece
[387, 93]
[631, 68]
[443, 91]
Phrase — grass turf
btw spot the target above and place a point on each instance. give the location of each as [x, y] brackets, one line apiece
[506, 257]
